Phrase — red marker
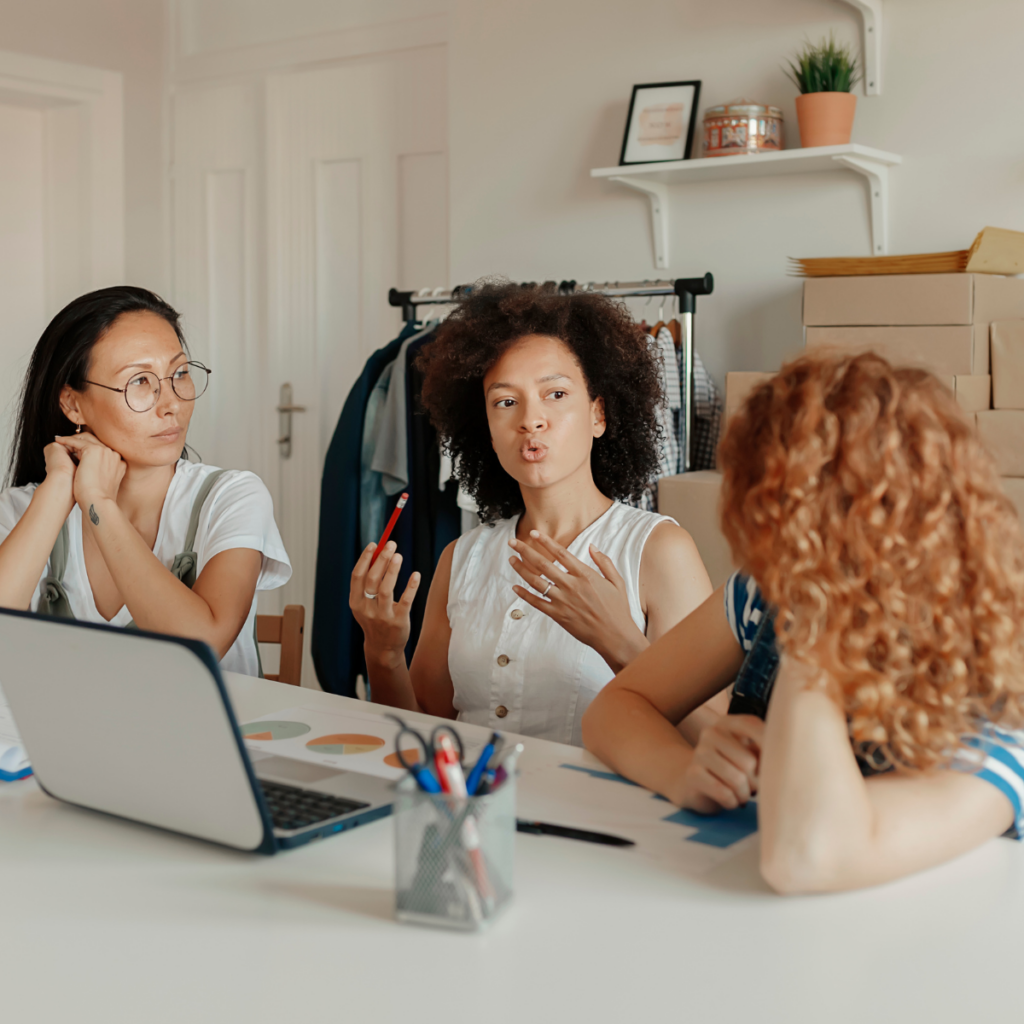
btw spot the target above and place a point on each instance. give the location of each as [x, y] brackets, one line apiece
[453, 782]
[391, 525]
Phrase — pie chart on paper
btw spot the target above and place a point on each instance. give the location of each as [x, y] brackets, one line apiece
[274, 730]
[345, 743]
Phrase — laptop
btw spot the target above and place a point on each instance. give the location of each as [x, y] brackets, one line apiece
[140, 726]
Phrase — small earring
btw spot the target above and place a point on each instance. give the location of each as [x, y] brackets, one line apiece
[78, 429]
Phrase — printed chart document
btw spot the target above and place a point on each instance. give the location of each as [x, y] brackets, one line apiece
[13, 759]
[347, 739]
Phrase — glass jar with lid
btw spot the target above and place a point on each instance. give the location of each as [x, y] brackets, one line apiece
[742, 126]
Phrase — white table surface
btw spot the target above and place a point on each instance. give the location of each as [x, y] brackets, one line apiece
[102, 920]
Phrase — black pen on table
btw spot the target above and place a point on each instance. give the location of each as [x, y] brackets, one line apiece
[543, 828]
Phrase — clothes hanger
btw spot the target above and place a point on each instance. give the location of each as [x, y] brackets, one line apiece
[676, 329]
[661, 319]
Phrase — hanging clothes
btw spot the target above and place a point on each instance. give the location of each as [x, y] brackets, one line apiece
[671, 378]
[383, 444]
[707, 417]
[668, 416]
[336, 641]
[373, 498]
[391, 441]
[437, 519]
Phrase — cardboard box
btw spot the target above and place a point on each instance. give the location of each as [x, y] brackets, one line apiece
[890, 300]
[1002, 432]
[1014, 487]
[917, 300]
[691, 499]
[1007, 341]
[946, 351]
[737, 386]
[974, 392]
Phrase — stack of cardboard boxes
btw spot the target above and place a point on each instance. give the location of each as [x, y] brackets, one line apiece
[966, 328]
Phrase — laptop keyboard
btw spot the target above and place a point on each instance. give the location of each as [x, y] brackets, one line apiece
[292, 808]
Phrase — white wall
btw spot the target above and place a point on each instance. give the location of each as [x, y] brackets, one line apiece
[538, 95]
[539, 92]
[129, 36]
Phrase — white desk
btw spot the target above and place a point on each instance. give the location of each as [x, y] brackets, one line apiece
[102, 920]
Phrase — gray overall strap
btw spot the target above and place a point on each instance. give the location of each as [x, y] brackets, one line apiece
[53, 598]
[184, 565]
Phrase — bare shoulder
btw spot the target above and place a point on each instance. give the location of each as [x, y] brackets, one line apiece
[673, 580]
[444, 563]
[437, 598]
[670, 548]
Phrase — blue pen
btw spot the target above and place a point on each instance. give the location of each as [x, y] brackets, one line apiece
[473, 782]
[425, 779]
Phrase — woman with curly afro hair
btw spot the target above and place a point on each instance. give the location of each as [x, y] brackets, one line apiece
[878, 623]
[547, 404]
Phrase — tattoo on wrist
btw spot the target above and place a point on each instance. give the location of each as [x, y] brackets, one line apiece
[93, 516]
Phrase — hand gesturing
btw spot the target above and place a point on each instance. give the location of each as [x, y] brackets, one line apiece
[592, 606]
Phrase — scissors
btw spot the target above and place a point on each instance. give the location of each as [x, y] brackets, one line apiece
[420, 769]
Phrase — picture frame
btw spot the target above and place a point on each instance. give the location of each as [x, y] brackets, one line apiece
[661, 121]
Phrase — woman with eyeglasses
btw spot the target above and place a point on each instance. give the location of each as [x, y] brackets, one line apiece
[104, 519]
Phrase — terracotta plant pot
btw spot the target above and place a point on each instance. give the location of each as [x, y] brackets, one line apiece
[825, 118]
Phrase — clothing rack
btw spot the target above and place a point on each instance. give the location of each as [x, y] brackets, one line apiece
[686, 289]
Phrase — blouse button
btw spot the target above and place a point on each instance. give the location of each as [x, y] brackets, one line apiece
[503, 660]
[501, 711]
[517, 613]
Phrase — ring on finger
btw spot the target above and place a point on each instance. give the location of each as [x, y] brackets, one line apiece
[551, 583]
[369, 596]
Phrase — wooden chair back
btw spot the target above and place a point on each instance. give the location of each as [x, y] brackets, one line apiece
[287, 631]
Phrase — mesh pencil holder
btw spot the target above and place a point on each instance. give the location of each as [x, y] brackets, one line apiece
[453, 856]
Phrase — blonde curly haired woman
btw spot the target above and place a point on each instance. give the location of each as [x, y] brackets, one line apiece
[874, 638]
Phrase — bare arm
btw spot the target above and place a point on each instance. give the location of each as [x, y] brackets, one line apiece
[824, 827]
[632, 723]
[26, 549]
[214, 610]
[673, 580]
[386, 625]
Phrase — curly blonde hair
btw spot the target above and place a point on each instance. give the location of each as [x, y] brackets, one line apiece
[863, 503]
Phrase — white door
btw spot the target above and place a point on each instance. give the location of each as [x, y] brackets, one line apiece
[22, 253]
[61, 203]
[350, 161]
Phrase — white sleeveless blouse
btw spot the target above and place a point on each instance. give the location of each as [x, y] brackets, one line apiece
[513, 668]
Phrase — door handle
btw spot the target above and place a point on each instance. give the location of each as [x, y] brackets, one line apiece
[285, 409]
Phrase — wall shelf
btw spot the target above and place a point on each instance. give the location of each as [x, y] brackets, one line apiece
[653, 180]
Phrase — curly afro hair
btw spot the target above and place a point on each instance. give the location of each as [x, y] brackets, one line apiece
[617, 362]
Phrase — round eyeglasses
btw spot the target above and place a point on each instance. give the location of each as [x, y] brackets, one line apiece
[142, 391]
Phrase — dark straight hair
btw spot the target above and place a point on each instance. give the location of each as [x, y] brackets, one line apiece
[61, 358]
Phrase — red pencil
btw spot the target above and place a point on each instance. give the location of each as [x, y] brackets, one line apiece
[391, 525]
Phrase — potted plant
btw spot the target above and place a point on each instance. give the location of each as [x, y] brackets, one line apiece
[825, 74]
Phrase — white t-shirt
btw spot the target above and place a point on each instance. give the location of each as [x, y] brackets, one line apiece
[238, 513]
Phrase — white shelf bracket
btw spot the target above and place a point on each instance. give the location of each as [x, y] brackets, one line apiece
[657, 195]
[871, 18]
[876, 175]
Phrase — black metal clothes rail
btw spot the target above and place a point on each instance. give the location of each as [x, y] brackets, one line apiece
[686, 289]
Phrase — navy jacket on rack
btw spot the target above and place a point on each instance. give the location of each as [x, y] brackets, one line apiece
[436, 520]
[336, 642]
